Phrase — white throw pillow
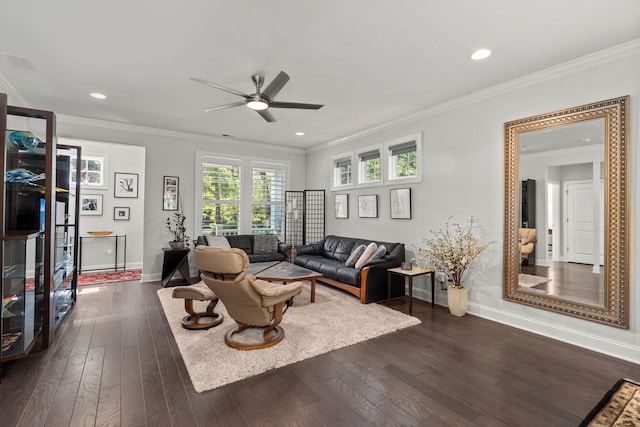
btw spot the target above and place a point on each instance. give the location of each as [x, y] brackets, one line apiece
[371, 248]
[218, 242]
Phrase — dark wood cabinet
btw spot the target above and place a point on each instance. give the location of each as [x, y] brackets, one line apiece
[39, 208]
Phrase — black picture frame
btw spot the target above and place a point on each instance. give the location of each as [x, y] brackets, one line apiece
[125, 185]
[400, 203]
[341, 205]
[121, 213]
[368, 206]
[91, 204]
[170, 193]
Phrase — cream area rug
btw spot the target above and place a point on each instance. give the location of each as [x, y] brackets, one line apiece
[529, 280]
[333, 321]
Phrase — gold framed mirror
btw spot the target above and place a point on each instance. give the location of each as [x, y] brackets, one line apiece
[566, 223]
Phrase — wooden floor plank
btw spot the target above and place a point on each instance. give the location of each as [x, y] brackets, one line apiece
[115, 362]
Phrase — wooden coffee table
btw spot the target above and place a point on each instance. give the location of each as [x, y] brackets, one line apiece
[285, 272]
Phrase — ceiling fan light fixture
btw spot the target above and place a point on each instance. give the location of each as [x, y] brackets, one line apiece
[257, 104]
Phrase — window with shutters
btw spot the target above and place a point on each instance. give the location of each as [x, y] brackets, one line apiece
[241, 196]
[220, 196]
[267, 198]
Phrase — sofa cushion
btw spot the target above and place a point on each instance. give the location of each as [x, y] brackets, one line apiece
[355, 255]
[265, 243]
[371, 248]
[338, 247]
[218, 242]
[275, 256]
[242, 241]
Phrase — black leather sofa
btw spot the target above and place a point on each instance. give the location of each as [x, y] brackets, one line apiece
[369, 283]
[247, 243]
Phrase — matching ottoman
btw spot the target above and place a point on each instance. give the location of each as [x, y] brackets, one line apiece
[199, 292]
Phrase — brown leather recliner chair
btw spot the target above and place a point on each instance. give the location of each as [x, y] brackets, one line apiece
[252, 303]
[527, 239]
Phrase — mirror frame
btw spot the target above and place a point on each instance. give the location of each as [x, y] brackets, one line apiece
[615, 310]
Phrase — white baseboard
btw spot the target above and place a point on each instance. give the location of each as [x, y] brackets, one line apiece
[109, 267]
[620, 350]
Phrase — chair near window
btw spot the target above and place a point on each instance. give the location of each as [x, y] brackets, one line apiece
[252, 303]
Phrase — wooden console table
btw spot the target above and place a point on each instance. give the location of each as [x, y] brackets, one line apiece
[175, 260]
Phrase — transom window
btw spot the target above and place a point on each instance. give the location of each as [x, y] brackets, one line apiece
[404, 159]
[342, 172]
[369, 166]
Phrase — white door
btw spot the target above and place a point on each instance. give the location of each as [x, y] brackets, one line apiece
[580, 222]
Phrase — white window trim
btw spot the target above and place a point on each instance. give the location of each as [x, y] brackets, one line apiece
[246, 165]
[386, 160]
[334, 160]
[283, 167]
[360, 170]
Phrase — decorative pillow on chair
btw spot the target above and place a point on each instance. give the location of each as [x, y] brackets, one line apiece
[371, 248]
[265, 244]
[218, 242]
[379, 253]
[355, 255]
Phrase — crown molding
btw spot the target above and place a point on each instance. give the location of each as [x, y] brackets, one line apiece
[14, 96]
[556, 71]
[131, 128]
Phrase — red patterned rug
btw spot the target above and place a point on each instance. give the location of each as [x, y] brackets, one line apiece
[108, 276]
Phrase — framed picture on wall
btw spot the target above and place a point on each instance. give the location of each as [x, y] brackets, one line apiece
[368, 206]
[126, 185]
[91, 204]
[170, 193]
[121, 213]
[341, 205]
[401, 203]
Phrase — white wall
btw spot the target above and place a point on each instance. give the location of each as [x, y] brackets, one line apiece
[99, 253]
[463, 176]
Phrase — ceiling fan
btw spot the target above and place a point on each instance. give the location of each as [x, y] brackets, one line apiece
[260, 102]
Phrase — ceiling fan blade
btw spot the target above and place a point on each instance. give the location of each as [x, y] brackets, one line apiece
[267, 116]
[277, 104]
[217, 86]
[222, 107]
[274, 87]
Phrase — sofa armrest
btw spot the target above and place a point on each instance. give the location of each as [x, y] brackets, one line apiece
[283, 248]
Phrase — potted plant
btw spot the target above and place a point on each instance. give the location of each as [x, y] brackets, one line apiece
[452, 251]
[178, 231]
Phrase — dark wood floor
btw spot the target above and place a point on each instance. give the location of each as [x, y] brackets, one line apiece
[115, 363]
[570, 280]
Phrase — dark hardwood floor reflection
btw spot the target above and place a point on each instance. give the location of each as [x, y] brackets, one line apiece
[570, 280]
[115, 363]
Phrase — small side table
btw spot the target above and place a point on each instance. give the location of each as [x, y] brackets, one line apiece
[175, 260]
[415, 271]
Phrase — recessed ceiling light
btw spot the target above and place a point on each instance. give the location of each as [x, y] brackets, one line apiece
[300, 133]
[98, 95]
[480, 54]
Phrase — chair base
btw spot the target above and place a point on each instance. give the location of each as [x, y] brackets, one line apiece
[272, 336]
[201, 320]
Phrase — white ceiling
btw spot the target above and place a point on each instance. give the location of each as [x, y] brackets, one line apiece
[368, 61]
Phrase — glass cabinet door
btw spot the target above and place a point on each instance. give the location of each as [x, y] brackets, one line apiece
[22, 294]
